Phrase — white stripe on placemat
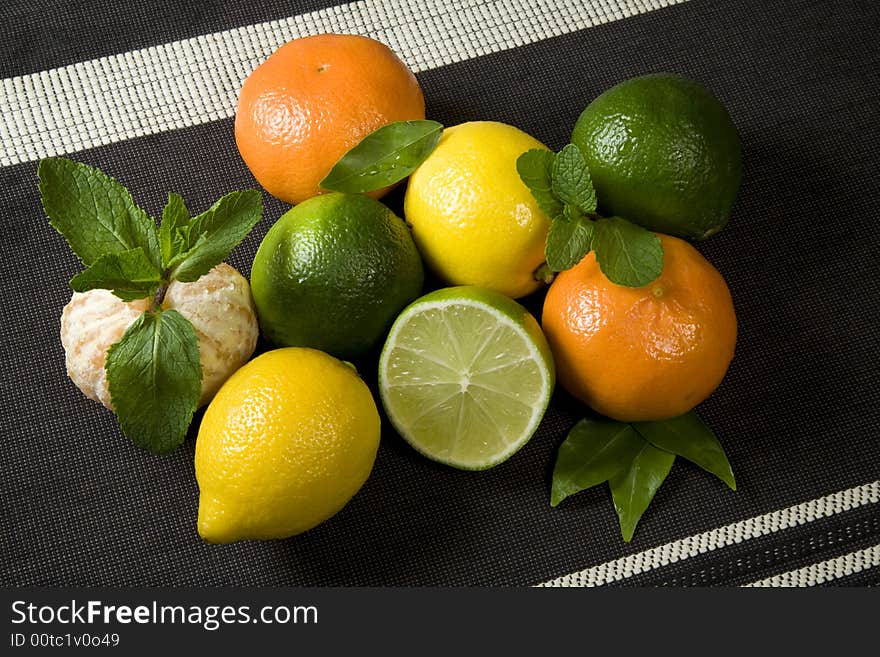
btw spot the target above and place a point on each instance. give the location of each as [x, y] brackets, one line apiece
[826, 571]
[737, 532]
[196, 80]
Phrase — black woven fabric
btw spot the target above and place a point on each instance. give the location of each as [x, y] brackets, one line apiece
[797, 413]
[42, 34]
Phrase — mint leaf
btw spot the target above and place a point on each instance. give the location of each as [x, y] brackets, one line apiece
[634, 487]
[571, 179]
[177, 235]
[687, 436]
[384, 157]
[571, 213]
[174, 216]
[207, 239]
[534, 168]
[183, 238]
[593, 452]
[568, 241]
[130, 275]
[628, 254]
[94, 213]
[154, 378]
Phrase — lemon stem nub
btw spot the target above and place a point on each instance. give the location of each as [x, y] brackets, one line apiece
[544, 274]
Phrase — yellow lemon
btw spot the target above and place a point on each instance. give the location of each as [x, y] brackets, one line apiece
[473, 219]
[286, 443]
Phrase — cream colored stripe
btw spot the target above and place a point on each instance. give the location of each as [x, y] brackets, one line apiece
[744, 530]
[826, 571]
[196, 80]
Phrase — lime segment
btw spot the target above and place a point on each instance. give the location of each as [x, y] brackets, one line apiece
[466, 376]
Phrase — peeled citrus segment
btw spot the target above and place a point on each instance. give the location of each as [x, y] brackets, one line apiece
[465, 376]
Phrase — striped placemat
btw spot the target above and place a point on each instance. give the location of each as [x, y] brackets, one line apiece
[149, 96]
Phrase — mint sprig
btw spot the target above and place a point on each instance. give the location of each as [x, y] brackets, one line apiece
[175, 216]
[206, 240]
[385, 156]
[571, 182]
[634, 459]
[130, 275]
[155, 379]
[627, 254]
[94, 212]
[570, 237]
[153, 372]
[535, 169]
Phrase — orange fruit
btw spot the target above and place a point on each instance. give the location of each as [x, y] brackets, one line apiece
[648, 353]
[311, 101]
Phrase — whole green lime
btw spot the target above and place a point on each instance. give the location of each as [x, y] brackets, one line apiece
[663, 153]
[333, 273]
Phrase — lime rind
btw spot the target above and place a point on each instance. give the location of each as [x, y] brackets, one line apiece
[466, 381]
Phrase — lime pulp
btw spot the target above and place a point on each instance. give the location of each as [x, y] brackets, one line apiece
[465, 377]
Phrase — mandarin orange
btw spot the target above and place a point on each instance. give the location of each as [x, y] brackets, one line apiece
[311, 101]
[648, 353]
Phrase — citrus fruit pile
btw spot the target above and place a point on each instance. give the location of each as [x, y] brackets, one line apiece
[639, 326]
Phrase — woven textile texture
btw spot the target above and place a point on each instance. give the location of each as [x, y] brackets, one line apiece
[146, 92]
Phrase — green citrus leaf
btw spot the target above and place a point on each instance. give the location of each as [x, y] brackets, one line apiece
[593, 452]
[154, 377]
[627, 254]
[689, 437]
[384, 157]
[634, 487]
[571, 180]
[130, 275]
[534, 169]
[568, 241]
[94, 212]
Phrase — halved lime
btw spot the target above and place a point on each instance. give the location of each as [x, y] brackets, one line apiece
[465, 376]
